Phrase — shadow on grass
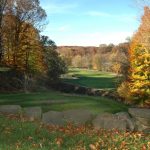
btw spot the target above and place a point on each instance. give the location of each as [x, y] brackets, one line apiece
[59, 101]
[95, 82]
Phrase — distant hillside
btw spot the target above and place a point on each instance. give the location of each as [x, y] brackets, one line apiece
[104, 57]
[81, 50]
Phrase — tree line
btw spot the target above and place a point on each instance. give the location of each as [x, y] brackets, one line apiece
[110, 58]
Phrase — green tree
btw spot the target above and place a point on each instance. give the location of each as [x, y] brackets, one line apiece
[54, 63]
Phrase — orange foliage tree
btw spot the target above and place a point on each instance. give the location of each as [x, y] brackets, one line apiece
[139, 77]
[21, 37]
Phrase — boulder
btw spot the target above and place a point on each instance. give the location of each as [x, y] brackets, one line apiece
[78, 116]
[80, 90]
[139, 126]
[142, 118]
[146, 131]
[109, 122]
[129, 121]
[33, 113]
[10, 109]
[53, 118]
[93, 92]
[144, 121]
[139, 113]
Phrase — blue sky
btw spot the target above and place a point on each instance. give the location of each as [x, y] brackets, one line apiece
[90, 22]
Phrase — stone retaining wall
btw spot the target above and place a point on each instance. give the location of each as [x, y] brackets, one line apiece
[135, 119]
[72, 88]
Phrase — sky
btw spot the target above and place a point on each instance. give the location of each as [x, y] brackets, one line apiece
[90, 22]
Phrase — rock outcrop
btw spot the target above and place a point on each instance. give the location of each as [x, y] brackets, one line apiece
[10, 109]
[110, 122]
[136, 119]
[33, 113]
[78, 116]
[53, 118]
[141, 117]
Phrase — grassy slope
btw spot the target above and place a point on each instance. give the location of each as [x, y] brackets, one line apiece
[62, 101]
[17, 135]
[91, 78]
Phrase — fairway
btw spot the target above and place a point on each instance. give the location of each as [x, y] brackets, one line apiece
[52, 100]
[91, 78]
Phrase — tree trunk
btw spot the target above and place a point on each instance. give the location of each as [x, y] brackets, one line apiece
[26, 82]
[1, 41]
[1, 48]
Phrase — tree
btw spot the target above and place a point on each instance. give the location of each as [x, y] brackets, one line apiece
[21, 16]
[87, 61]
[142, 3]
[77, 61]
[140, 75]
[97, 64]
[22, 22]
[2, 9]
[139, 78]
[119, 59]
[67, 55]
[54, 63]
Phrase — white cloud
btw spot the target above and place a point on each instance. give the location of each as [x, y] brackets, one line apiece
[53, 28]
[91, 39]
[97, 13]
[57, 8]
[121, 17]
[64, 28]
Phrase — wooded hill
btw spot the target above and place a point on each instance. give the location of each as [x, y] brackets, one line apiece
[105, 57]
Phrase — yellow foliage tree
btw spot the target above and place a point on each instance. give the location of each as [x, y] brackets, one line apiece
[139, 78]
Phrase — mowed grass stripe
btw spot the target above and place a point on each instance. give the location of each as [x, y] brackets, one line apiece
[91, 78]
[52, 100]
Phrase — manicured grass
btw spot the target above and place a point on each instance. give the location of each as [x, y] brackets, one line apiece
[18, 135]
[91, 78]
[52, 100]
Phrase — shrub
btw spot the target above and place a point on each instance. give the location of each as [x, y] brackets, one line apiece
[124, 92]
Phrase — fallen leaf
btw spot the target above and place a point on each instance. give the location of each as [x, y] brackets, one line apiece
[92, 147]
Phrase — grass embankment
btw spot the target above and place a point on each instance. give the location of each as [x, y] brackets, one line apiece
[52, 100]
[91, 78]
[17, 135]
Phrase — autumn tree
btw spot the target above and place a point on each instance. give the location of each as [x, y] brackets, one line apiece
[2, 9]
[20, 16]
[139, 78]
[67, 55]
[87, 61]
[97, 64]
[140, 61]
[77, 61]
[119, 59]
[21, 26]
